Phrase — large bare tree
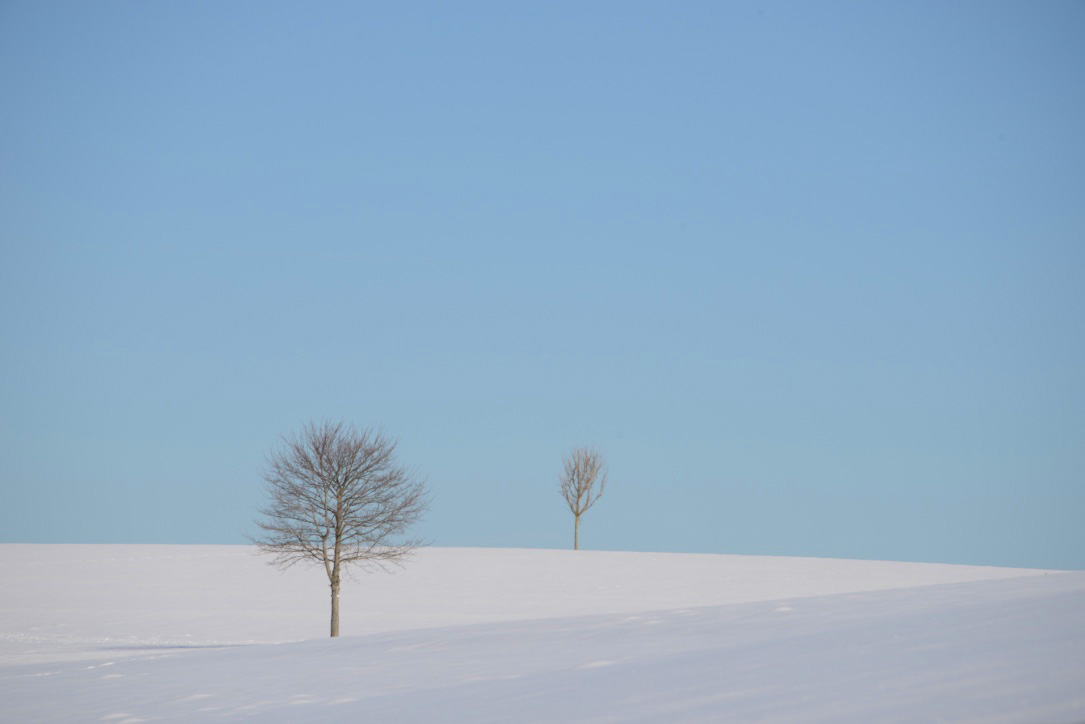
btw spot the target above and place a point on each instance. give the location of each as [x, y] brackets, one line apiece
[338, 497]
[583, 480]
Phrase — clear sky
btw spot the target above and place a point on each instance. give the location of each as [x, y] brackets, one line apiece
[811, 273]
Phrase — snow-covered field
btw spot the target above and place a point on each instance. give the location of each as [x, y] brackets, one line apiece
[140, 632]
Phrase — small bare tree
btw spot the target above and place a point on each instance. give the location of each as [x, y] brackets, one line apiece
[583, 480]
[338, 497]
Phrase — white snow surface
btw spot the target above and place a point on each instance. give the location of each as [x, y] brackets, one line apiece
[128, 633]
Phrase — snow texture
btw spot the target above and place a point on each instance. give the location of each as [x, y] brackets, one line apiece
[140, 633]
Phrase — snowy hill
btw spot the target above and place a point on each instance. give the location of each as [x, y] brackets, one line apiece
[130, 633]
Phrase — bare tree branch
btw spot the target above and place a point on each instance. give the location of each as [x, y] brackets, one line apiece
[336, 497]
[583, 480]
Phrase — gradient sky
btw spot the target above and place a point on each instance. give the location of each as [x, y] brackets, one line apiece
[811, 273]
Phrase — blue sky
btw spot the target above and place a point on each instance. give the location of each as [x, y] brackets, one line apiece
[809, 272]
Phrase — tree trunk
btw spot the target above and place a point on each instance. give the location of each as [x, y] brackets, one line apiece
[335, 608]
[576, 534]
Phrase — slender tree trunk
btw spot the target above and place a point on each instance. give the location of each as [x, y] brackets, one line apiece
[576, 533]
[335, 607]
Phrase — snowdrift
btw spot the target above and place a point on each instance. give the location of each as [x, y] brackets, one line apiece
[133, 633]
